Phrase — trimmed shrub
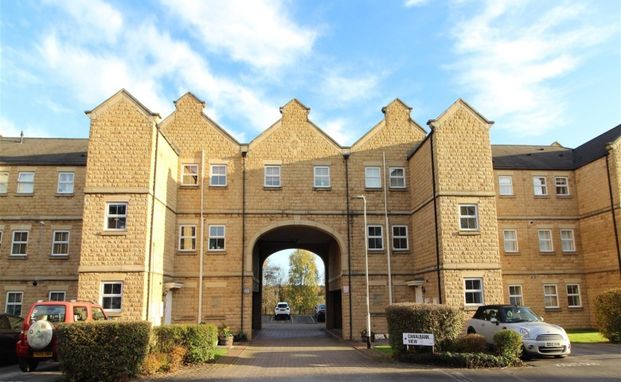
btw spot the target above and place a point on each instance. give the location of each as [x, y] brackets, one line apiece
[508, 344]
[608, 313]
[199, 341]
[468, 360]
[154, 363]
[470, 343]
[443, 321]
[102, 351]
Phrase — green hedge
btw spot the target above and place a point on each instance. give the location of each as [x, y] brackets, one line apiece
[102, 351]
[470, 343]
[200, 340]
[443, 321]
[467, 360]
[608, 313]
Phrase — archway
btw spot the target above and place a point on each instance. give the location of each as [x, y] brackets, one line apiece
[311, 237]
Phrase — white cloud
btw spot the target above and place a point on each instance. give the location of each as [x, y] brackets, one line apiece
[510, 66]
[94, 19]
[337, 130]
[414, 3]
[144, 60]
[258, 32]
[344, 89]
[9, 129]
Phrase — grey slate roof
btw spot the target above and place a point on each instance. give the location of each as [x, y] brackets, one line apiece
[43, 151]
[554, 157]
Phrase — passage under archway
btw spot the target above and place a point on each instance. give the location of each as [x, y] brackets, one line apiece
[309, 238]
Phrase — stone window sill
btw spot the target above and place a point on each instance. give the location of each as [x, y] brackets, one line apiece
[59, 257]
[541, 196]
[563, 196]
[372, 189]
[545, 253]
[272, 188]
[64, 194]
[18, 257]
[512, 254]
[376, 251]
[552, 309]
[216, 187]
[469, 233]
[189, 186]
[186, 253]
[212, 252]
[401, 251]
[322, 188]
[575, 308]
[25, 195]
[398, 189]
[506, 196]
[113, 233]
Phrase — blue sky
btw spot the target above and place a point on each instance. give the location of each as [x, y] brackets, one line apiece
[543, 70]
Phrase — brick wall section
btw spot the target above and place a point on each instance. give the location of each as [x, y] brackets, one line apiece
[465, 176]
[40, 213]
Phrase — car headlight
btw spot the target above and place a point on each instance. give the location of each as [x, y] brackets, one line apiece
[524, 332]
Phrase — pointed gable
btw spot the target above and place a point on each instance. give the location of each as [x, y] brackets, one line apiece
[121, 95]
[396, 128]
[459, 106]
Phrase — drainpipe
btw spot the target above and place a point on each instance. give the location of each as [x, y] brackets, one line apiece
[243, 262]
[200, 246]
[435, 216]
[388, 231]
[157, 137]
[612, 210]
[349, 222]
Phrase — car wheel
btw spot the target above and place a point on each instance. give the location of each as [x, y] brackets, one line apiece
[560, 356]
[471, 330]
[27, 365]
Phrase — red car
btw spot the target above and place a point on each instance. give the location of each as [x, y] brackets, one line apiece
[37, 340]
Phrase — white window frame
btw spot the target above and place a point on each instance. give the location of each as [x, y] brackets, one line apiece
[546, 295]
[565, 186]
[190, 174]
[22, 184]
[462, 217]
[216, 177]
[513, 241]
[400, 237]
[396, 177]
[111, 295]
[370, 179]
[275, 179]
[505, 189]
[540, 185]
[217, 237]
[68, 183]
[573, 295]
[49, 294]
[191, 237]
[60, 242]
[4, 182]
[515, 295]
[474, 291]
[19, 242]
[320, 179]
[542, 241]
[14, 303]
[569, 242]
[115, 216]
[379, 237]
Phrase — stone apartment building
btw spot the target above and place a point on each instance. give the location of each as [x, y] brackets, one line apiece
[170, 220]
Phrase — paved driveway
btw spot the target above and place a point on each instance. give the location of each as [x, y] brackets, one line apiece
[294, 351]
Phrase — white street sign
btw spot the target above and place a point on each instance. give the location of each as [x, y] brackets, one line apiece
[419, 339]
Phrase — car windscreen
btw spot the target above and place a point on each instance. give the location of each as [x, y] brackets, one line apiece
[51, 313]
[518, 314]
[283, 305]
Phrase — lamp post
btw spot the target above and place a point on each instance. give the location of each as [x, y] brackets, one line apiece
[366, 265]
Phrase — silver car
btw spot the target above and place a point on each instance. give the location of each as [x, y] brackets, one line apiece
[538, 337]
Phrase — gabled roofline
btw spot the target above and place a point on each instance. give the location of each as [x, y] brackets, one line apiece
[127, 94]
[294, 100]
[431, 122]
[188, 93]
[396, 100]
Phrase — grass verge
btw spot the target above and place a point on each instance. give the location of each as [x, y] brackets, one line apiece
[384, 349]
[585, 336]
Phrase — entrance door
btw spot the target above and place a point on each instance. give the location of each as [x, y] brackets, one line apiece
[168, 308]
[418, 290]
